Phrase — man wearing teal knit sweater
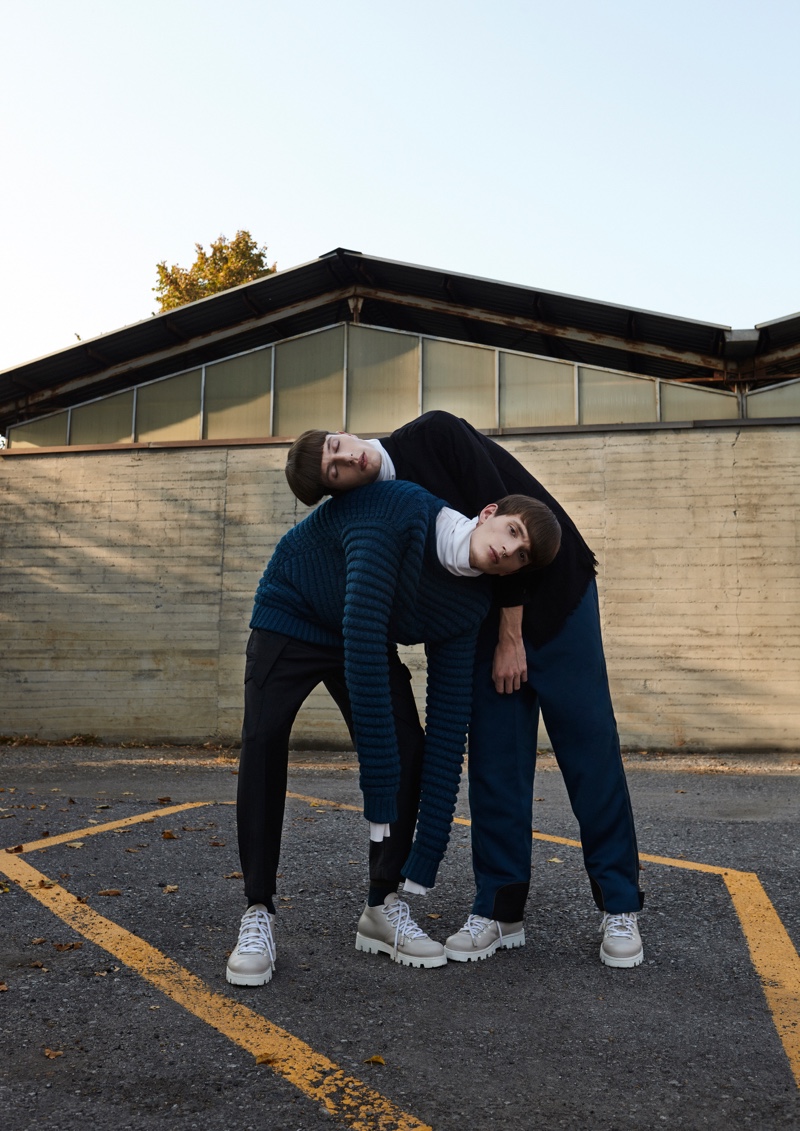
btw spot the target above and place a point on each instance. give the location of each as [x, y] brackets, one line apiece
[385, 565]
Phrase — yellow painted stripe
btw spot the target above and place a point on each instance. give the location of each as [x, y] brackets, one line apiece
[109, 826]
[690, 865]
[774, 957]
[321, 1079]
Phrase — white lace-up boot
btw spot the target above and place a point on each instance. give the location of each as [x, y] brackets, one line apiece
[481, 937]
[252, 962]
[622, 943]
[389, 929]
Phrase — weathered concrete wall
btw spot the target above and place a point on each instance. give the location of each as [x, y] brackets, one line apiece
[127, 580]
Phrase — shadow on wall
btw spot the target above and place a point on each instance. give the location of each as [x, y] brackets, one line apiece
[127, 585]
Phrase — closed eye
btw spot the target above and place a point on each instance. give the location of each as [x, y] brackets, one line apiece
[332, 445]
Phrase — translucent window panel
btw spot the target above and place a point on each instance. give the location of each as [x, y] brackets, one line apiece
[309, 382]
[459, 379]
[612, 398]
[535, 392]
[237, 397]
[782, 401]
[382, 380]
[108, 421]
[51, 432]
[686, 402]
[169, 410]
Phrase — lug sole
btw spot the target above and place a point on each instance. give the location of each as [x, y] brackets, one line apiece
[510, 942]
[622, 963]
[375, 946]
[249, 979]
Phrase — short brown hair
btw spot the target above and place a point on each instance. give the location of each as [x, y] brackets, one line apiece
[304, 467]
[544, 529]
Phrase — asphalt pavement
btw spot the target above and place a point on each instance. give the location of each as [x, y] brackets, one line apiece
[115, 1009]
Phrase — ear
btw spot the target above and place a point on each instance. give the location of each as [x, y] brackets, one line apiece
[487, 512]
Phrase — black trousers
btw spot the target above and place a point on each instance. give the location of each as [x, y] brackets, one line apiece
[280, 673]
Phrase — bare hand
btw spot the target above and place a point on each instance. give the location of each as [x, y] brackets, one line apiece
[510, 667]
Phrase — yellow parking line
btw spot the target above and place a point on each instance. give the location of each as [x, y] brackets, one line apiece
[773, 956]
[108, 826]
[321, 1079]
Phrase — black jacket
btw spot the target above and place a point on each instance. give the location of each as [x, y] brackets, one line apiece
[451, 459]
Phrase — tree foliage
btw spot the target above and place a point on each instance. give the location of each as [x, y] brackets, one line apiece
[227, 264]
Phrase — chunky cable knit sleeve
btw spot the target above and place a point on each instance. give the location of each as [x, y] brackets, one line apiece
[449, 702]
[373, 559]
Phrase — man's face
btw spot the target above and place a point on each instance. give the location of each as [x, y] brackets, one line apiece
[499, 543]
[348, 462]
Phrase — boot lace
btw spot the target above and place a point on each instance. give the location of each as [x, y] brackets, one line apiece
[255, 933]
[619, 926]
[476, 924]
[399, 915]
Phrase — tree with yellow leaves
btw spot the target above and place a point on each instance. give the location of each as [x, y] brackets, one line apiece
[228, 264]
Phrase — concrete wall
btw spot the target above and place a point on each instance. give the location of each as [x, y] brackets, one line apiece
[127, 579]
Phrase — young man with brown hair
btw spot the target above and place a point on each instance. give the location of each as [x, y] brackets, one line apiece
[539, 649]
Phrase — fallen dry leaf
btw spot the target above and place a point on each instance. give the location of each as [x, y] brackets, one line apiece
[38, 966]
[3, 988]
[97, 808]
[37, 941]
[265, 1058]
[131, 849]
[433, 915]
[74, 844]
[100, 973]
[554, 860]
[4, 888]
[168, 889]
[233, 876]
[163, 800]
[67, 945]
[168, 834]
[51, 1054]
[16, 848]
[82, 899]
[538, 799]
[110, 891]
[374, 1060]
[217, 843]
[680, 791]
[47, 883]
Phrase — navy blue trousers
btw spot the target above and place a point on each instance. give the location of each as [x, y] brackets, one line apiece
[568, 683]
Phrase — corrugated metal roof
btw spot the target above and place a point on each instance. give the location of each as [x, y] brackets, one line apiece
[400, 296]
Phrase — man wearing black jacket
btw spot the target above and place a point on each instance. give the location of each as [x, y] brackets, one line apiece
[540, 649]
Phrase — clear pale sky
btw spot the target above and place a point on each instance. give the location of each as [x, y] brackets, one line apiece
[640, 153]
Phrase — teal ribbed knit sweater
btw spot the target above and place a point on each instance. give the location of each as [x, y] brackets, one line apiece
[361, 571]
